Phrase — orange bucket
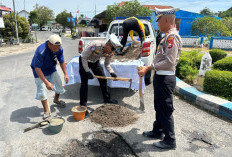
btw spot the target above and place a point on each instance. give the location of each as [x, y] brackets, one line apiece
[79, 112]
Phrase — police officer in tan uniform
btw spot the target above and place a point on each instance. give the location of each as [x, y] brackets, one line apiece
[164, 81]
[89, 59]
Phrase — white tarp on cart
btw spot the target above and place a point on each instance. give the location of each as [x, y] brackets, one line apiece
[122, 69]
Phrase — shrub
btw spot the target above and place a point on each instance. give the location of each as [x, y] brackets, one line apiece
[9, 30]
[217, 54]
[188, 65]
[224, 64]
[215, 80]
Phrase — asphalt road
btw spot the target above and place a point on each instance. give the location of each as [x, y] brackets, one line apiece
[198, 132]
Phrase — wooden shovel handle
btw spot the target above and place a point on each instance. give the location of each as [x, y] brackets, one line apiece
[42, 123]
[112, 78]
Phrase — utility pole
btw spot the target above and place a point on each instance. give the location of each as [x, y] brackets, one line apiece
[16, 26]
[71, 22]
[95, 10]
[24, 10]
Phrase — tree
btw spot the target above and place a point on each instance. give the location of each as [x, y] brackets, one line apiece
[228, 23]
[207, 11]
[61, 18]
[9, 30]
[209, 26]
[81, 17]
[33, 17]
[44, 14]
[227, 13]
[130, 8]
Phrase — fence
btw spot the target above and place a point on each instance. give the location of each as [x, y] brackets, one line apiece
[224, 43]
[192, 41]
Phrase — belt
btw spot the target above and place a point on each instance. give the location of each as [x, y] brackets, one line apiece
[164, 72]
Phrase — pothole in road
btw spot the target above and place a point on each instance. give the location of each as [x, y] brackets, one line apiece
[113, 116]
[200, 143]
[102, 143]
[200, 140]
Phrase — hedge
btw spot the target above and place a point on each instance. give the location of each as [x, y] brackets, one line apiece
[224, 64]
[188, 65]
[217, 54]
[215, 80]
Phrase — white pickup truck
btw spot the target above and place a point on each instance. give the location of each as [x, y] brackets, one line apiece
[148, 47]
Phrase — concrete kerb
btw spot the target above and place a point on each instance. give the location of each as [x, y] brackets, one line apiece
[212, 103]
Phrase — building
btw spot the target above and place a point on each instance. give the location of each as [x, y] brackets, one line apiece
[24, 13]
[3, 8]
[184, 21]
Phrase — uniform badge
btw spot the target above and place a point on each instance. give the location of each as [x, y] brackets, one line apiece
[170, 42]
[92, 48]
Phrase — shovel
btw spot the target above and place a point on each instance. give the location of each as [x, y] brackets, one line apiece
[115, 79]
[40, 124]
[141, 107]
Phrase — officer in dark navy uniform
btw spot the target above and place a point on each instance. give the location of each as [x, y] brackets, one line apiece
[130, 25]
[164, 81]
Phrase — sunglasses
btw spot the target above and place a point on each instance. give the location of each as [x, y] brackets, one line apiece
[112, 48]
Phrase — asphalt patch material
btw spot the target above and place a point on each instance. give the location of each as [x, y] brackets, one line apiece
[131, 53]
[102, 144]
[113, 116]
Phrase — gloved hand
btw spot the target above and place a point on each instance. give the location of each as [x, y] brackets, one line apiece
[90, 75]
[113, 75]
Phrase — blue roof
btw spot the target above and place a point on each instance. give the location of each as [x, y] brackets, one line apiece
[186, 19]
[181, 14]
[139, 17]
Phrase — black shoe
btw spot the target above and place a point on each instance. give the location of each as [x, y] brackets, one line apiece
[111, 101]
[164, 145]
[151, 134]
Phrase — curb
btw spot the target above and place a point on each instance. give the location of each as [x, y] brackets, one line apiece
[212, 103]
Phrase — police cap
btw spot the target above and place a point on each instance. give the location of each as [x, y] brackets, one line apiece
[114, 41]
[161, 12]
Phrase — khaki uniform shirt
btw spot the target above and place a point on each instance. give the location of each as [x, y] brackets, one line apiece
[93, 52]
[168, 52]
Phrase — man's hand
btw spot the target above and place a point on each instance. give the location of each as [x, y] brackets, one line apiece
[90, 75]
[66, 79]
[49, 86]
[113, 75]
[143, 70]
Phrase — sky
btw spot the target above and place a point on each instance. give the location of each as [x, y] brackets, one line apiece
[87, 7]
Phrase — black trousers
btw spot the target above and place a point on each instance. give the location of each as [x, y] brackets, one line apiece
[163, 102]
[97, 70]
[128, 25]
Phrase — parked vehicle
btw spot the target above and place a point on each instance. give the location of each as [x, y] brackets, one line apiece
[44, 28]
[148, 47]
[102, 34]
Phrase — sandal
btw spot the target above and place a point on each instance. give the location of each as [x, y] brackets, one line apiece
[46, 116]
[60, 103]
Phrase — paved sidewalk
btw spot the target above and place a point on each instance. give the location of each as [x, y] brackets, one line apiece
[212, 103]
[15, 49]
